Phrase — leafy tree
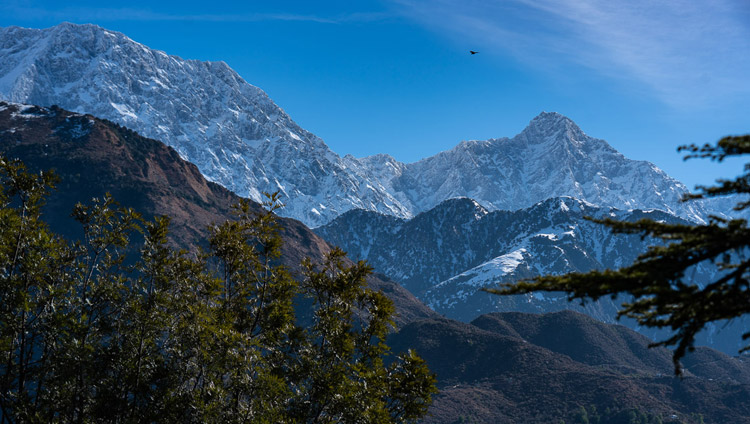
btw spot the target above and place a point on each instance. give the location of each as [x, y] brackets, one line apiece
[615, 416]
[33, 267]
[582, 416]
[122, 327]
[344, 376]
[658, 288]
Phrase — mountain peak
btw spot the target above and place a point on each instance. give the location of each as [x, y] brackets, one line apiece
[70, 25]
[460, 208]
[551, 118]
[229, 128]
[552, 124]
[80, 29]
[67, 30]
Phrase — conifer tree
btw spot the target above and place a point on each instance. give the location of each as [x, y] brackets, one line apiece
[657, 285]
[122, 327]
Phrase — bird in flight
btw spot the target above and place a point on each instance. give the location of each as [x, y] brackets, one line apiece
[473, 52]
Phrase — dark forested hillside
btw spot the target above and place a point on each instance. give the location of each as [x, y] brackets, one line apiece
[530, 368]
[93, 157]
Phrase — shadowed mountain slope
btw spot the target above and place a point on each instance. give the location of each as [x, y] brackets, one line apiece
[447, 255]
[94, 156]
[529, 368]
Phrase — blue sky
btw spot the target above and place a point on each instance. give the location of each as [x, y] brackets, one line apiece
[395, 76]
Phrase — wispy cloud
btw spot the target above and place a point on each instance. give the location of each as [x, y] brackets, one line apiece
[684, 52]
[18, 11]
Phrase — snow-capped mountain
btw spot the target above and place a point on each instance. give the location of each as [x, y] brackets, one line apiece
[233, 132]
[499, 359]
[551, 157]
[238, 137]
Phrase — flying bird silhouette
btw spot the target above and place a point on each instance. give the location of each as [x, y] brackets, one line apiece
[473, 52]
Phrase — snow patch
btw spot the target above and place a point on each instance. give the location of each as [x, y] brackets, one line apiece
[508, 262]
[295, 136]
[124, 110]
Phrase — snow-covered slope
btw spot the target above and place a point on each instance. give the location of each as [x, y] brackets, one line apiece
[240, 138]
[440, 246]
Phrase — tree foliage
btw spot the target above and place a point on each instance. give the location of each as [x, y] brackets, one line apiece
[615, 415]
[122, 327]
[658, 284]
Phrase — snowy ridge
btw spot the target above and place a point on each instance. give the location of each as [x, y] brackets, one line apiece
[240, 138]
[490, 272]
[552, 157]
